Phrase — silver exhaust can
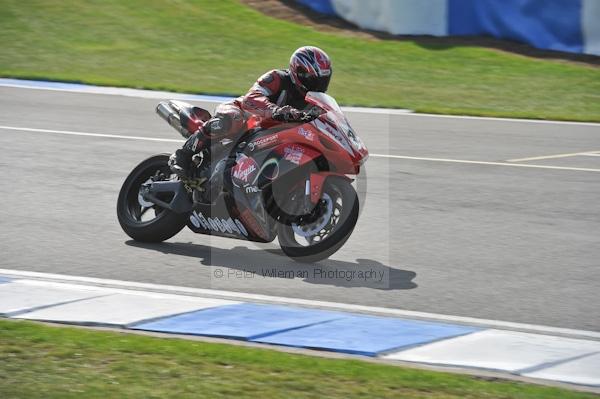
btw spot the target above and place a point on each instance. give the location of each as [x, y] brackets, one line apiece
[166, 111]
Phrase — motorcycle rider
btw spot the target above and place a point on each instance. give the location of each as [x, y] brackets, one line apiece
[278, 95]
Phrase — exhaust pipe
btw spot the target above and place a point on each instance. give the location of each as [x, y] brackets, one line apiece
[167, 111]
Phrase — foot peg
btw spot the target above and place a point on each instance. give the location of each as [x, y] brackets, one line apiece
[194, 184]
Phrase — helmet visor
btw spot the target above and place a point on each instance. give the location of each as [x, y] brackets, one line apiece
[315, 83]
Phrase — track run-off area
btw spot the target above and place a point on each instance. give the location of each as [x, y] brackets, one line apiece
[468, 217]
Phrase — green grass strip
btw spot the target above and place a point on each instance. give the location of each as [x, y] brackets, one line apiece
[221, 47]
[41, 361]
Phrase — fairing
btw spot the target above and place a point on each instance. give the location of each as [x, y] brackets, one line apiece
[335, 125]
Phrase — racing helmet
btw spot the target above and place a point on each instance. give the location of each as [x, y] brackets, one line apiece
[310, 69]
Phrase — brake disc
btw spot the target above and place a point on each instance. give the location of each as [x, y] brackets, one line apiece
[309, 230]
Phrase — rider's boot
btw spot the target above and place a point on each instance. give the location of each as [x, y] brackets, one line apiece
[182, 160]
[197, 153]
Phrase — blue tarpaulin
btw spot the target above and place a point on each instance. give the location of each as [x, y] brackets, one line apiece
[553, 25]
[322, 6]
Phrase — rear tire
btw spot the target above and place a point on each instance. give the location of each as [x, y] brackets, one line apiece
[165, 224]
[335, 187]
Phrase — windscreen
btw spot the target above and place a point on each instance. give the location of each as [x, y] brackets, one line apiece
[323, 100]
[336, 116]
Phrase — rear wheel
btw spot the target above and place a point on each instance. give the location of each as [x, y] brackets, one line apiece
[318, 235]
[143, 220]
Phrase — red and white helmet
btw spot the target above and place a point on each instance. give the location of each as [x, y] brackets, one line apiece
[310, 69]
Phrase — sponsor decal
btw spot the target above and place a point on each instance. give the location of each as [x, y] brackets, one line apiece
[293, 153]
[270, 170]
[263, 142]
[252, 189]
[332, 133]
[244, 171]
[218, 224]
[307, 134]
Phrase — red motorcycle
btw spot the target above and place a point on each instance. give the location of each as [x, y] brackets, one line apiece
[292, 181]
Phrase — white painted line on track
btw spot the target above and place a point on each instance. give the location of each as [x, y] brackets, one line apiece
[520, 165]
[68, 132]
[91, 89]
[237, 296]
[461, 161]
[491, 118]
[381, 111]
[572, 154]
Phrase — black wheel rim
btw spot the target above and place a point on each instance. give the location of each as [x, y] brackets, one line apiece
[138, 210]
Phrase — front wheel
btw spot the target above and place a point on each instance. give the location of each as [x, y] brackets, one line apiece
[314, 237]
[142, 220]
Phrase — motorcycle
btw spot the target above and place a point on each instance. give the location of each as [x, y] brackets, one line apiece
[290, 181]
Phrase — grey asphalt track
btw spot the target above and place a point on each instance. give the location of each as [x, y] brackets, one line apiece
[488, 241]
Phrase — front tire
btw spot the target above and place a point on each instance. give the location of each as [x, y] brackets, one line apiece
[324, 234]
[133, 211]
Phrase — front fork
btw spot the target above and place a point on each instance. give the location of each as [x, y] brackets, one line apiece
[313, 189]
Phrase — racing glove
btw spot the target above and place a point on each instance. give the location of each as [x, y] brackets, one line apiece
[288, 113]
